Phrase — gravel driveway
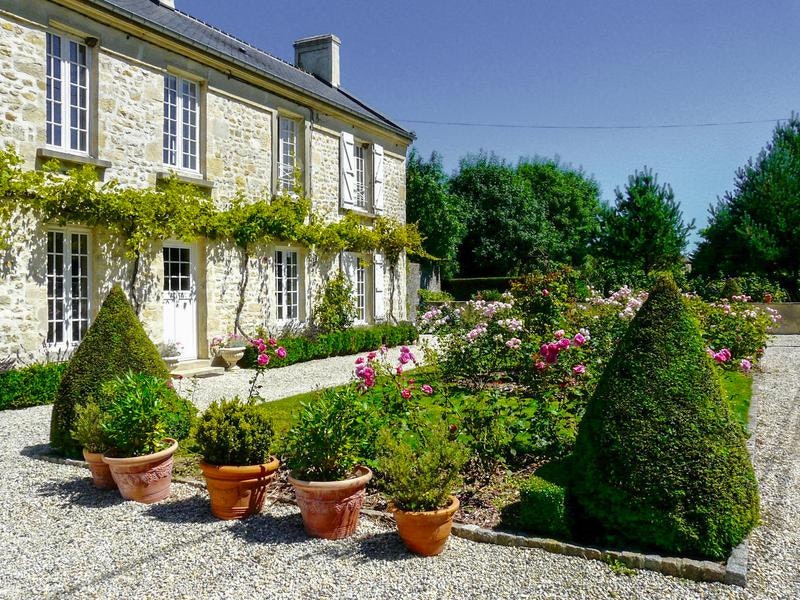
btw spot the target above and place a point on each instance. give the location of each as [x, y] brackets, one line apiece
[283, 382]
[62, 539]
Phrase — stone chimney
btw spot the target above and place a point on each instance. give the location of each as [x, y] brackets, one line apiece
[319, 55]
[167, 3]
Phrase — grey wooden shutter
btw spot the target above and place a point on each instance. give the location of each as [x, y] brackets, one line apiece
[347, 166]
[377, 178]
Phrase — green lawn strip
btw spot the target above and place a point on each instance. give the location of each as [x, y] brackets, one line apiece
[738, 389]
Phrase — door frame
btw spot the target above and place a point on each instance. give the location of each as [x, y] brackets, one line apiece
[194, 354]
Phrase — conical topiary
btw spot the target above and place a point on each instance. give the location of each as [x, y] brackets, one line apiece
[659, 461]
[115, 343]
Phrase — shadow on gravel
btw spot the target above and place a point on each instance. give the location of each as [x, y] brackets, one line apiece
[194, 509]
[385, 547]
[265, 528]
[81, 492]
[36, 450]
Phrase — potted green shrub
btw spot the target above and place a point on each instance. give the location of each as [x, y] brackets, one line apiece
[89, 434]
[140, 458]
[420, 471]
[324, 448]
[234, 437]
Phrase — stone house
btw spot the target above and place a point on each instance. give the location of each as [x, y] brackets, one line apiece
[142, 91]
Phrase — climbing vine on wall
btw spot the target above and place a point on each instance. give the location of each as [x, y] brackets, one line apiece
[174, 210]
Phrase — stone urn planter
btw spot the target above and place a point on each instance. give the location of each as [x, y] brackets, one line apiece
[425, 532]
[171, 361]
[330, 509]
[101, 475]
[238, 492]
[145, 478]
[230, 356]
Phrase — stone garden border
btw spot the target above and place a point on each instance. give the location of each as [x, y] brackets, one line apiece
[733, 572]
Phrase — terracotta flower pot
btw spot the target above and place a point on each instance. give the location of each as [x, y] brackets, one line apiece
[238, 492]
[425, 532]
[330, 509]
[101, 475]
[144, 478]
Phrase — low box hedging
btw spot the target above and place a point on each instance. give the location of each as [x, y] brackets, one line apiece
[464, 288]
[30, 386]
[337, 343]
[542, 508]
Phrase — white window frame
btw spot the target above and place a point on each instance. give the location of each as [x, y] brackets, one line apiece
[177, 149]
[288, 146]
[60, 101]
[283, 280]
[67, 297]
[362, 161]
[360, 285]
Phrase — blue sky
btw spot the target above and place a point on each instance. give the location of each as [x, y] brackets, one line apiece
[560, 63]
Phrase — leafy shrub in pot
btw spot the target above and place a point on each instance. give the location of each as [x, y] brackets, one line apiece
[140, 458]
[89, 433]
[234, 437]
[420, 472]
[324, 450]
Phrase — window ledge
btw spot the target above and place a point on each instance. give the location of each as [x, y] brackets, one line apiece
[362, 212]
[195, 180]
[74, 159]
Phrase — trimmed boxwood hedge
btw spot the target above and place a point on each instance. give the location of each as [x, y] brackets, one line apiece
[338, 343]
[659, 461]
[114, 344]
[30, 386]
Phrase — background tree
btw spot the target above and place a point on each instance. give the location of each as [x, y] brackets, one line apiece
[507, 228]
[756, 227]
[438, 212]
[644, 230]
[572, 204]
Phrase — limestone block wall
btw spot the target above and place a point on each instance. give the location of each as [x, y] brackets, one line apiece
[237, 155]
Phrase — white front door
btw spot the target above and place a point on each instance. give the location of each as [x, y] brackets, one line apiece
[180, 298]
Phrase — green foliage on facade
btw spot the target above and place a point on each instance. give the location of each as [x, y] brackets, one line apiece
[659, 461]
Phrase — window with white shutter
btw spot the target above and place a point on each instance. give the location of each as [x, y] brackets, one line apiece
[379, 309]
[348, 169]
[377, 178]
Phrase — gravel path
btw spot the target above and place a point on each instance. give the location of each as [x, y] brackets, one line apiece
[282, 382]
[62, 539]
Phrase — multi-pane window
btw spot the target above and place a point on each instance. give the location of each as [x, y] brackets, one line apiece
[67, 286]
[67, 84]
[287, 152]
[181, 114]
[287, 285]
[361, 289]
[177, 265]
[360, 158]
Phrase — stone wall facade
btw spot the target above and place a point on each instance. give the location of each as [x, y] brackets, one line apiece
[237, 154]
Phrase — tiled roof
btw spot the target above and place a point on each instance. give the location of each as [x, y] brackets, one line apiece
[210, 39]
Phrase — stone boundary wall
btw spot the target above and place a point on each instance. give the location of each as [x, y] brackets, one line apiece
[790, 317]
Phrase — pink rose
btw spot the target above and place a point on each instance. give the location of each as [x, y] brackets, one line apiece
[545, 293]
[405, 350]
[372, 356]
[273, 341]
[540, 366]
[427, 389]
[563, 343]
[559, 334]
[360, 360]
[263, 360]
[405, 358]
[399, 369]
[745, 365]
[579, 339]
[281, 352]
[406, 393]
[579, 369]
